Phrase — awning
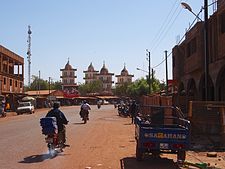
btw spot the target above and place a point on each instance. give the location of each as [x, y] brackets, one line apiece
[27, 98]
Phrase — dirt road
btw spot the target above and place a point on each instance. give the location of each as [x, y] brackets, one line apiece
[105, 142]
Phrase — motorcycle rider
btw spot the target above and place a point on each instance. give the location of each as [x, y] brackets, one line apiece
[85, 107]
[61, 122]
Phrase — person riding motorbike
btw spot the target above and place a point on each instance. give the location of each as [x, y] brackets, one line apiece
[61, 122]
[84, 109]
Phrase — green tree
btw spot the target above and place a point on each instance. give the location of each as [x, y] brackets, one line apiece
[38, 84]
[42, 84]
[56, 85]
[139, 87]
[93, 87]
[121, 90]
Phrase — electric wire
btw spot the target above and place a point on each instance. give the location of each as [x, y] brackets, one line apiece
[168, 24]
[178, 42]
[164, 23]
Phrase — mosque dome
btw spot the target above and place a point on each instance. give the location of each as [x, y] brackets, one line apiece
[104, 70]
[91, 68]
[68, 66]
[124, 72]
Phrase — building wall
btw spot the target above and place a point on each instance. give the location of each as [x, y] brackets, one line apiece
[189, 59]
[11, 72]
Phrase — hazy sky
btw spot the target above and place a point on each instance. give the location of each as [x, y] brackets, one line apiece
[115, 31]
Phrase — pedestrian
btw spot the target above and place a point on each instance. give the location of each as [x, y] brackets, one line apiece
[133, 110]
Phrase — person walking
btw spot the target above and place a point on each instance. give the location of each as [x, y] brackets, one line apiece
[133, 109]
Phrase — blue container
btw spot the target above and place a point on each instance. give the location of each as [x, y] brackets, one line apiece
[49, 125]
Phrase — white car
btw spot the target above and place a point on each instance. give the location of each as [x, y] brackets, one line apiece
[25, 107]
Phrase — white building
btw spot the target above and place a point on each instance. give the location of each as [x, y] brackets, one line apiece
[124, 77]
[90, 74]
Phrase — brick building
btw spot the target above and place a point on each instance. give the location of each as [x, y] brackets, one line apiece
[189, 62]
[11, 75]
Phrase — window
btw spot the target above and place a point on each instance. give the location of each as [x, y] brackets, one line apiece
[15, 83]
[222, 22]
[10, 82]
[21, 84]
[191, 47]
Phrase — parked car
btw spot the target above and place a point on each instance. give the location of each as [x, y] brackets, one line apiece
[25, 107]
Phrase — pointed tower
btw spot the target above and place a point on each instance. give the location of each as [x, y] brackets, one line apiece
[68, 77]
[106, 78]
[90, 74]
[124, 77]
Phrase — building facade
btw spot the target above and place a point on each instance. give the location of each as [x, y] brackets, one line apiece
[11, 72]
[124, 77]
[90, 74]
[68, 77]
[11, 76]
[106, 78]
[189, 59]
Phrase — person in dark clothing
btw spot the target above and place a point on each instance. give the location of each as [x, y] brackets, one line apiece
[132, 110]
[61, 121]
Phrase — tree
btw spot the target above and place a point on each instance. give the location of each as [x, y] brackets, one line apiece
[139, 87]
[37, 84]
[121, 90]
[41, 84]
[93, 87]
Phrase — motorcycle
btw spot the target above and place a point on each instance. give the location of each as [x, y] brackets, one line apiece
[123, 111]
[50, 130]
[53, 144]
[84, 115]
[2, 112]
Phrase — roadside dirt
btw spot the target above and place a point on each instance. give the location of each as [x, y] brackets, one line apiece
[106, 142]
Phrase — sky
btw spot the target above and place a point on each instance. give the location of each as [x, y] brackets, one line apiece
[116, 32]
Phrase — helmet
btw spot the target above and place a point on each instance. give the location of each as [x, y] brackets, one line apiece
[85, 101]
[56, 105]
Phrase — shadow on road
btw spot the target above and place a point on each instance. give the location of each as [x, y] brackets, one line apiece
[78, 123]
[148, 163]
[38, 158]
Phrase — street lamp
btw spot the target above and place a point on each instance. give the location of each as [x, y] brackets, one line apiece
[206, 51]
[142, 70]
[186, 6]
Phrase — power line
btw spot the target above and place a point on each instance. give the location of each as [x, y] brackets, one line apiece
[178, 42]
[168, 24]
[164, 23]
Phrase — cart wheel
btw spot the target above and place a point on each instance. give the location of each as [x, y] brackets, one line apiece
[139, 153]
[181, 155]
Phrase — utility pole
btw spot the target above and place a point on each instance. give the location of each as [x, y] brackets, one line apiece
[149, 70]
[166, 73]
[206, 50]
[39, 76]
[29, 53]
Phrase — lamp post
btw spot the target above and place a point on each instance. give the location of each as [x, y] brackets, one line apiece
[206, 51]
